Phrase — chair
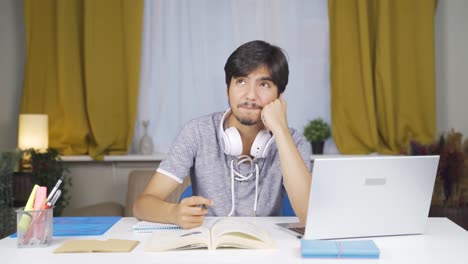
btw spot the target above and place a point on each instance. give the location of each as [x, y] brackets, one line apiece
[187, 193]
[287, 209]
[100, 209]
[137, 181]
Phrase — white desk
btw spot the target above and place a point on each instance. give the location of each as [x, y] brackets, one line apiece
[444, 242]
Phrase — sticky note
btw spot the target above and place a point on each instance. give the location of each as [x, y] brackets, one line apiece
[26, 219]
[41, 195]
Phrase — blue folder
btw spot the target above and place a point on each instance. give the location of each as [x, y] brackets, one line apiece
[339, 249]
[82, 226]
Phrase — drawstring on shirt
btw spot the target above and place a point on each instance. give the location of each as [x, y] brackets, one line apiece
[235, 176]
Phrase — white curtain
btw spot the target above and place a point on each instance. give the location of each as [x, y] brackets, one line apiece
[186, 44]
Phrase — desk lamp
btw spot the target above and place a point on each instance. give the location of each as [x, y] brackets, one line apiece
[33, 133]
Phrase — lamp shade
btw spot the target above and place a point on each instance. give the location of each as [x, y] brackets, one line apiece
[33, 131]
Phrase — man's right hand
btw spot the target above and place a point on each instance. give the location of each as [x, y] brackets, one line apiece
[191, 211]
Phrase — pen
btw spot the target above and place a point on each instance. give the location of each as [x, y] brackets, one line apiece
[51, 194]
[48, 205]
[202, 206]
[54, 199]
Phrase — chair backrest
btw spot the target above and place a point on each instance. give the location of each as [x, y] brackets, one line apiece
[187, 193]
[287, 209]
[137, 181]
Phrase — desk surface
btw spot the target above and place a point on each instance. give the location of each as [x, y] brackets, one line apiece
[443, 242]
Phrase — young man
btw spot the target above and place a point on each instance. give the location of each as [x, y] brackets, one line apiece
[240, 161]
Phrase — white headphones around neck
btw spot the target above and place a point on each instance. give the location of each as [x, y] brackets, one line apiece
[232, 142]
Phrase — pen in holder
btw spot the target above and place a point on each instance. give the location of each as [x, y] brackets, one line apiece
[34, 228]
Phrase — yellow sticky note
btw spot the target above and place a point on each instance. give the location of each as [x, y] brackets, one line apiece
[25, 219]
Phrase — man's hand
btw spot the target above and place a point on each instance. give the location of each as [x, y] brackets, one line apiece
[191, 211]
[274, 115]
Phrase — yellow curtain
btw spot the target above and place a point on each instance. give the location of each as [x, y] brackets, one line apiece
[82, 69]
[382, 74]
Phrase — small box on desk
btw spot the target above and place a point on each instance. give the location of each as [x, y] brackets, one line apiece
[339, 249]
[34, 228]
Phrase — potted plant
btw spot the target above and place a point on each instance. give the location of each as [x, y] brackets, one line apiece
[8, 161]
[317, 131]
[450, 195]
[46, 169]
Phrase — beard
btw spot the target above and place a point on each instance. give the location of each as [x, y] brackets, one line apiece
[246, 120]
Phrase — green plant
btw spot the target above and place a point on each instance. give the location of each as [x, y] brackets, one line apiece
[451, 186]
[47, 169]
[8, 161]
[317, 130]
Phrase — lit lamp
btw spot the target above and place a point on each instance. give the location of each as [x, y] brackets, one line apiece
[33, 133]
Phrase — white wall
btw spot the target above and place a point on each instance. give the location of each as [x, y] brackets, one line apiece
[452, 65]
[11, 69]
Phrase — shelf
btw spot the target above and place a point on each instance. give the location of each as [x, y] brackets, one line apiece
[160, 156]
[116, 158]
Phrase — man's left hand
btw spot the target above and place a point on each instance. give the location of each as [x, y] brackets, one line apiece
[274, 115]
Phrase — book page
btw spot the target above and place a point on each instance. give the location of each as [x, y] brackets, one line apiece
[234, 232]
[179, 239]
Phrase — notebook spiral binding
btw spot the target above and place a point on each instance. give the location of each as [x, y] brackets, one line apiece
[149, 227]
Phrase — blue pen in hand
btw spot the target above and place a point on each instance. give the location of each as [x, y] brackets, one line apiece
[202, 206]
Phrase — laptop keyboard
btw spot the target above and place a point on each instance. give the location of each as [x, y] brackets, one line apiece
[299, 230]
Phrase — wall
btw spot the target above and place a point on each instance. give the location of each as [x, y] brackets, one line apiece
[452, 65]
[98, 182]
[12, 56]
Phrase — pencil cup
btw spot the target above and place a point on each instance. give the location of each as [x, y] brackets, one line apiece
[34, 228]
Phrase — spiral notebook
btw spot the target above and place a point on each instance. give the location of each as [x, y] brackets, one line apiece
[149, 227]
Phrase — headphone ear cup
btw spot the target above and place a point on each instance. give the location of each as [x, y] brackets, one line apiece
[262, 144]
[232, 142]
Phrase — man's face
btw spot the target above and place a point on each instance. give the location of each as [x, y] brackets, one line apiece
[247, 95]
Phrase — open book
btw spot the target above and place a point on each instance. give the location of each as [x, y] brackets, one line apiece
[224, 233]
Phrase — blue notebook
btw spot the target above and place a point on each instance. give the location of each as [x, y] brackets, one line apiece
[339, 249]
[82, 226]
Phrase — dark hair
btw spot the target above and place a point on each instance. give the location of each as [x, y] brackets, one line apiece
[251, 55]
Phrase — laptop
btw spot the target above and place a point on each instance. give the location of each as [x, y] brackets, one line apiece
[369, 196]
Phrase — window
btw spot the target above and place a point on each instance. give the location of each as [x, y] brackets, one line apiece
[186, 44]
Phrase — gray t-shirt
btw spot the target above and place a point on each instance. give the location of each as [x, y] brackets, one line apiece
[197, 151]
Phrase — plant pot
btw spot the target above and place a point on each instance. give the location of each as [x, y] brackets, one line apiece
[317, 147]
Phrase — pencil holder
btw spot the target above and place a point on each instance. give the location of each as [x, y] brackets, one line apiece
[34, 228]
